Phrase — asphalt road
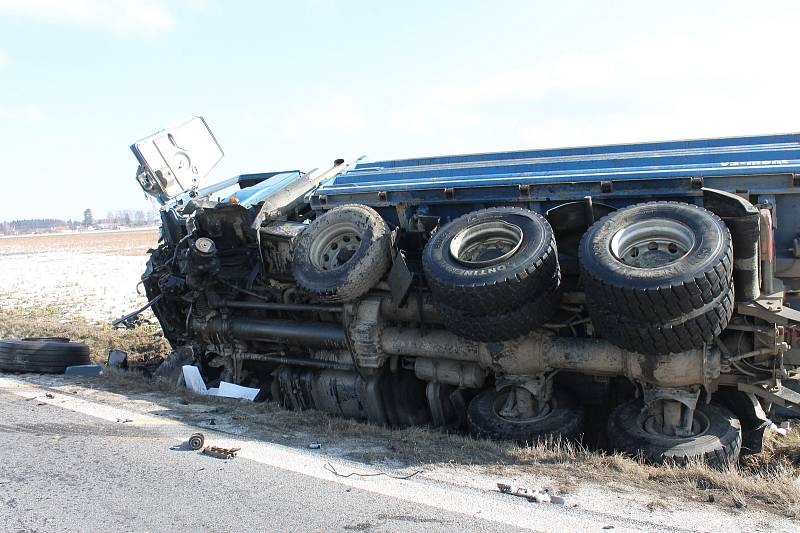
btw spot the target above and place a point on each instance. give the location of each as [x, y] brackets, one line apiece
[65, 471]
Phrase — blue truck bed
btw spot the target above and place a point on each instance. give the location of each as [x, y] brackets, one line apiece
[764, 167]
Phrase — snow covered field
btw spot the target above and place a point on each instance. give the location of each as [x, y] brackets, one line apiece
[89, 274]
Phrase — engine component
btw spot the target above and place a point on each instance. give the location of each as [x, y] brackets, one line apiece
[716, 435]
[342, 254]
[537, 353]
[497, 414]
[278, 240]
[658, 276]
[448, 372]
[492, 260]
[318, 334]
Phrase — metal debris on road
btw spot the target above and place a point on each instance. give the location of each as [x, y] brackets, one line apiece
[196, 441]
[329, 467]
[315, 446]
[531, 494]
[220, 453]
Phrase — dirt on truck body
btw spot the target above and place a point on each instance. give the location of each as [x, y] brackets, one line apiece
[502, 293]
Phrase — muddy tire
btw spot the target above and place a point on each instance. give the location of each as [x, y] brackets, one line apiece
[687, 332]
[718, 445]
[42, 354]
[491, 260]
[342, 254]
[564, 420]
[504, 325]
[656, 262]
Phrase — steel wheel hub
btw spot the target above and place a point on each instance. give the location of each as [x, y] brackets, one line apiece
[335, 246]
[486, 244]
[652, 243]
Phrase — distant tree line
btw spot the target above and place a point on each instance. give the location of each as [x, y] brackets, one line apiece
[113, 220]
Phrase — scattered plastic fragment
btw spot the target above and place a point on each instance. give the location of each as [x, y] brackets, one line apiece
[117, 359]
[83, 370]
[315, 446]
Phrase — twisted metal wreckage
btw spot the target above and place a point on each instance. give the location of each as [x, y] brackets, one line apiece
[502, 292]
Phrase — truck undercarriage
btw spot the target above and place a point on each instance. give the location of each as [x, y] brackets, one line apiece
[496, 293]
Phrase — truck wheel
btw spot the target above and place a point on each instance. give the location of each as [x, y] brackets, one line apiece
[657, 262]
[562, 418]
[504, 325]
[687, 332]
[42, 354]
[717, 439]
[491, 260]
[342, 254]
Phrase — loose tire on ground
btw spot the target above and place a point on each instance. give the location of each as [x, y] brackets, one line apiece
[342, 254]
[719, 444]
[564, 420]
[505, 256]
[626, 268]
[504, 325]
[42, 354]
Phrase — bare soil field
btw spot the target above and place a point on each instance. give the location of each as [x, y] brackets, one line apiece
[73, 285]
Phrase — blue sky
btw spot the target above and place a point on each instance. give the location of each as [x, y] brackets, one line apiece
[298, 84]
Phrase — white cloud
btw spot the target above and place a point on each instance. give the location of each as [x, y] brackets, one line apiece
[675, 86]
[3, 57]
[117, 16]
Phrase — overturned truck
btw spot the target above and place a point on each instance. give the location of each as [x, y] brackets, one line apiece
[501, 293]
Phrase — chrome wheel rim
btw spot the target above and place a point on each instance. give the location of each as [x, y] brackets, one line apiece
[652, 243]
[486, 243]
[335, 246]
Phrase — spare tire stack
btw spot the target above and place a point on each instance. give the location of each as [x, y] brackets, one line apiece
[494, 273]
[658, 277]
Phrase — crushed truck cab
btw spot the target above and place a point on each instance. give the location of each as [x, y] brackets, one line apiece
[506, 294]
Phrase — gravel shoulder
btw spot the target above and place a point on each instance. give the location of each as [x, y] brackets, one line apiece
[167, 418]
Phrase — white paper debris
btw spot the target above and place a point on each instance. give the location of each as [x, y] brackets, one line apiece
[194, 382]
[231, 390]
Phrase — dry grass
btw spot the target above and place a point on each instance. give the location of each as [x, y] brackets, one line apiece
[142, 344]
[768, 480]
[113, 243]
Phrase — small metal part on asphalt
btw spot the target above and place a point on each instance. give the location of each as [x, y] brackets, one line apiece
[83, 370]
[196, 441]
[48, 395]
[531, 494]
[315, 446]
[221, 453]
